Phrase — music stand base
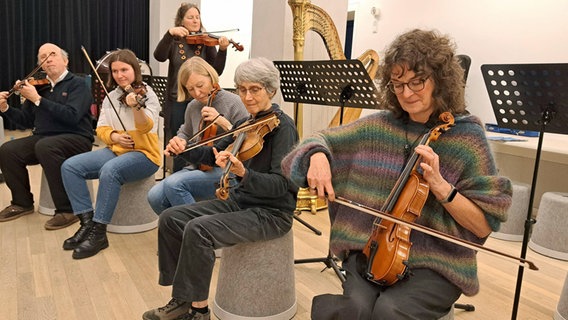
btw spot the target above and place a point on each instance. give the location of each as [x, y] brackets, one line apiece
[329, 261]
[465, 307]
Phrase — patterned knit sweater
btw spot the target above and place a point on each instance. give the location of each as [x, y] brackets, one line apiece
[367, 157]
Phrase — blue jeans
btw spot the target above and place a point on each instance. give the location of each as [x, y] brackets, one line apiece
[112, 171]
[184, 187]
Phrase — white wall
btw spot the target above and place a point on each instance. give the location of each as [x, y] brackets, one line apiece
[489, 31]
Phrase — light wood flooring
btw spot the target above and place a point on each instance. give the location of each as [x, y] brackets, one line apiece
[39, 280]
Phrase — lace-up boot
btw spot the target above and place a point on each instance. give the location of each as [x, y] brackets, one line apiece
[81, 234]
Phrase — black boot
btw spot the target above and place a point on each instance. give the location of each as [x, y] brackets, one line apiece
[81, 234]
[95, 242]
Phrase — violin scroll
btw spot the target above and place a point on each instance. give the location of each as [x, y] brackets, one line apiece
[448, 120]
[222, 193]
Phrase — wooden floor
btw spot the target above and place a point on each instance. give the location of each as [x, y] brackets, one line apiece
[39, 280]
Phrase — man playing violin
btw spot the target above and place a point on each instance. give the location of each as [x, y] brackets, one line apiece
[174, 47]
[59, 115]
[420, 78]
[198, 80]
[259, 206]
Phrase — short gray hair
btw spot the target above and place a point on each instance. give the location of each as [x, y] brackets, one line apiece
[258, 70]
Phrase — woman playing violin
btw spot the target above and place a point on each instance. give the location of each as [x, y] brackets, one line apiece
[420, 78]
[174, 47]
[259, 206]
[128, 125]
[198, 80]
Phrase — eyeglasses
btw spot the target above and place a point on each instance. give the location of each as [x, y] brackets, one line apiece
[414, 85]
[253, 90]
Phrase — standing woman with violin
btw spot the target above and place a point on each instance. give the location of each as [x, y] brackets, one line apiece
[420, 79]
[211, 112]
[259, 207]
[174, 47]
[59, 115]
[128, 125]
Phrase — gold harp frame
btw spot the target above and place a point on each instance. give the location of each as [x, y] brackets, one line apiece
[307, 16]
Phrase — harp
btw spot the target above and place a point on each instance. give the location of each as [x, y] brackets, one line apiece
[307, 16]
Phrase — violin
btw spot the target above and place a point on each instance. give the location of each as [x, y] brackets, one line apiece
[31, 81]
[210, 40]
[38, 82]
[246, 145]
[388, 247]
[139, 90]
[30, 78]
[210, 128]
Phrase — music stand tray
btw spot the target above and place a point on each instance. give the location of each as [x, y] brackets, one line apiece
[528, 97]
[327, 82]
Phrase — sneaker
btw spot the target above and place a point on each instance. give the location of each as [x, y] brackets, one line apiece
[61, 220]
[13, 211]
[194, 315]
[171, 311]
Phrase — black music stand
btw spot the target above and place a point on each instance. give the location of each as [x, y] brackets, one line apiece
[329, 83]
[529, 97]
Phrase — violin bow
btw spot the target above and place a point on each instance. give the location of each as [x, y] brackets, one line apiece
[435, 233]
[103, 86]
[198, 133]
[32, 73]
[210, 32]
[242, 128]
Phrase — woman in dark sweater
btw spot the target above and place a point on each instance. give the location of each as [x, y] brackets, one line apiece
[259, 206]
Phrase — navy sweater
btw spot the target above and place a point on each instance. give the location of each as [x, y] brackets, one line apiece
[64, 108]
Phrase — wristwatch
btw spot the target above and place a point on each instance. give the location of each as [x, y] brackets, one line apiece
[451, 195]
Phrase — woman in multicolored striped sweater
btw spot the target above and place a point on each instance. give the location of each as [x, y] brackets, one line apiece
[420, 79]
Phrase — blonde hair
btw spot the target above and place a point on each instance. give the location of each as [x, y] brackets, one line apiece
[197, 65]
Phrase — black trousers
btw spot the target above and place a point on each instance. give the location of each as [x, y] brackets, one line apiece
[424, 295]
[189, 234]
[49, 152]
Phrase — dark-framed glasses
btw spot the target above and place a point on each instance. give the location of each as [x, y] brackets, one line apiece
[254, 90]
[415, 85]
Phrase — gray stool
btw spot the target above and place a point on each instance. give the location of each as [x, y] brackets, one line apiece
[256, 281]
[549, 236]
[562, 307]
[133, 213]
[514, 228]
[46, 205]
